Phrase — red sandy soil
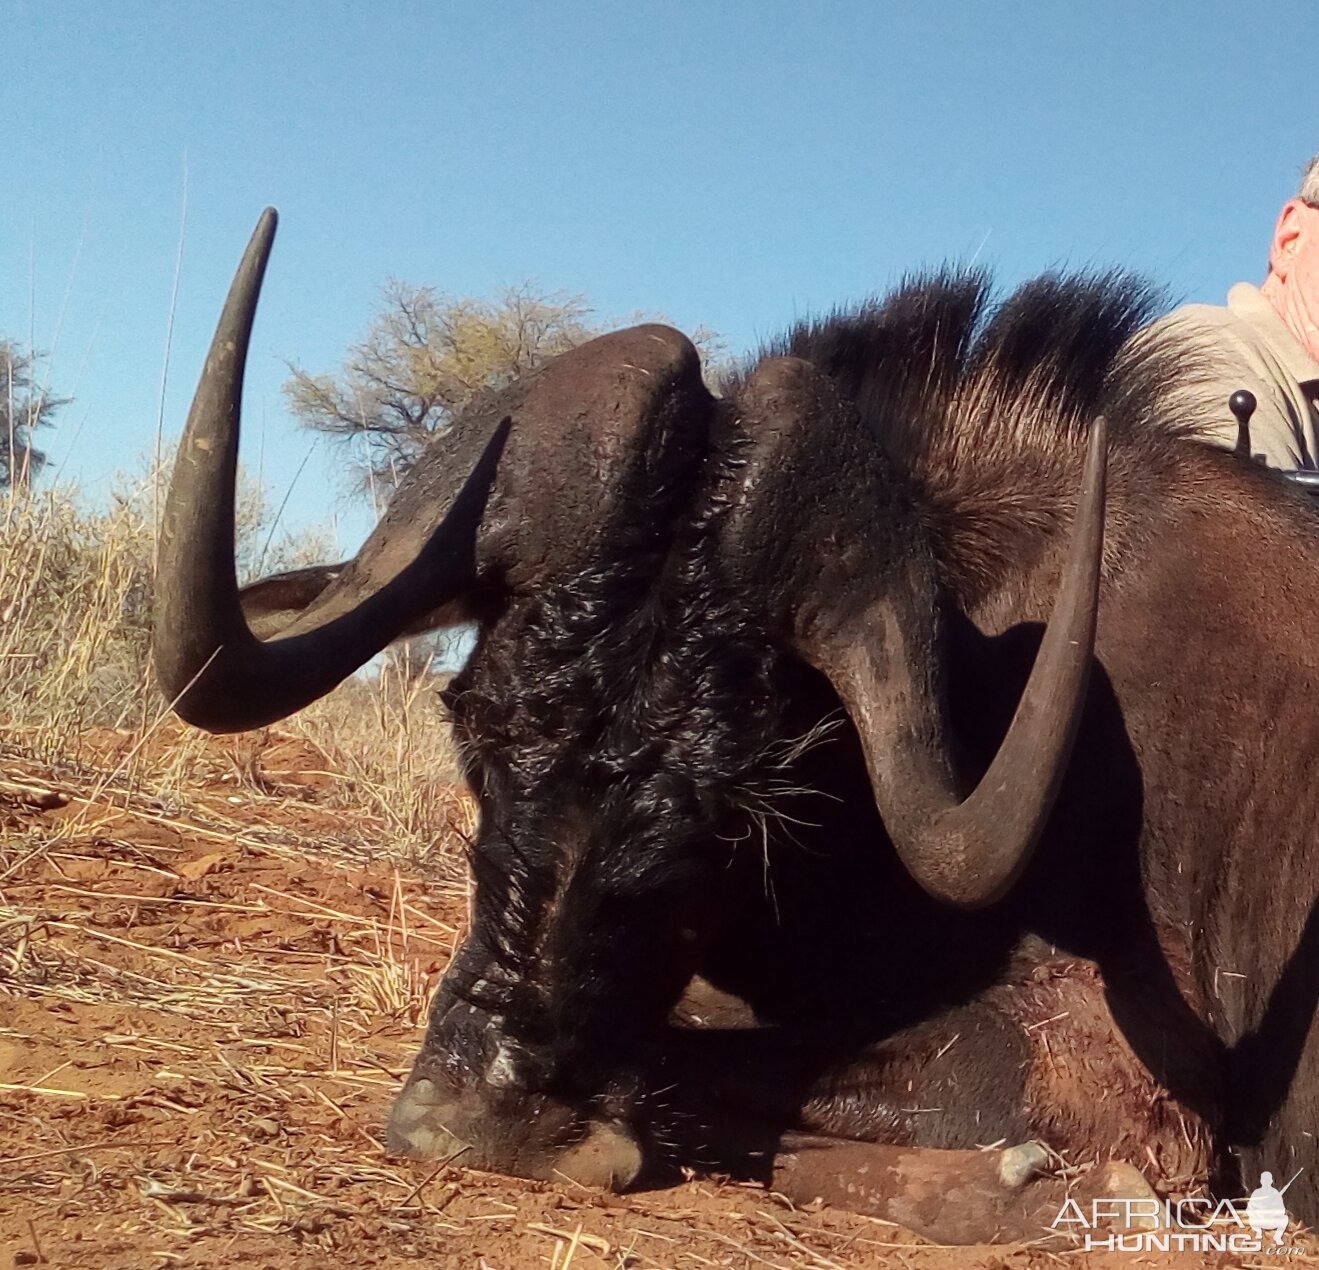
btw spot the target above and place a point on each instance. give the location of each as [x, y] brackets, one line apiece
[205, 1009]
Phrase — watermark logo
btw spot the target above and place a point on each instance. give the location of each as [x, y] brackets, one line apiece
[1265, 1210]
[1256, 1224]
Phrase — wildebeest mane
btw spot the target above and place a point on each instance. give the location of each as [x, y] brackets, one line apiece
[983, 406]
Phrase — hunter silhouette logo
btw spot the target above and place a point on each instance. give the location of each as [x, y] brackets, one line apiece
[1265, 1209]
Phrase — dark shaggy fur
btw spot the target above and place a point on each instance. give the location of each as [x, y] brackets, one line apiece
[984, 408]
[637, 694]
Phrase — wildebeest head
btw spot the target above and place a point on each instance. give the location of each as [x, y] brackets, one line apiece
[660, 580]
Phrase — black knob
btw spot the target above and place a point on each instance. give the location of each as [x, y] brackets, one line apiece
[1242, 404]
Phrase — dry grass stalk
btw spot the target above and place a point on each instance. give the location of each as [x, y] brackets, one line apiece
[76, 584]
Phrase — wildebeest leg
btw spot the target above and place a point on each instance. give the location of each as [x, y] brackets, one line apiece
[957, 1081]
[953, 1194]
[950, 1196]
[854, 1123]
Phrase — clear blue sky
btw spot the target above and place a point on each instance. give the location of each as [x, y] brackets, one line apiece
[735, 164]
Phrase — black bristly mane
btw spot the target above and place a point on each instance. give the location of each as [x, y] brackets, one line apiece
[938, 365]
[984, 407]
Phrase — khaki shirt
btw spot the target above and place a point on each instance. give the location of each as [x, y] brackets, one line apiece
[1247, 345]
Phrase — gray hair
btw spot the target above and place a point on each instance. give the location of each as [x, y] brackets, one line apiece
[1309, 191]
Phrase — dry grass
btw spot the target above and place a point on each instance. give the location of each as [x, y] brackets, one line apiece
[73, 625]
[75, 612]
[390, 742]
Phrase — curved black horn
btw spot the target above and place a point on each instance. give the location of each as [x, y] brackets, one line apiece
[860, 595]
[968, 851]
[208, 662]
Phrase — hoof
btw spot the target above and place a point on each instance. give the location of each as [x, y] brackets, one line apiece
[1117, 1180]
[1017, 1165]
[608, 1158]
[425, 1124]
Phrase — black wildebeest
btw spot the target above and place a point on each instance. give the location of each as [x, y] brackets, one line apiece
[767, 691]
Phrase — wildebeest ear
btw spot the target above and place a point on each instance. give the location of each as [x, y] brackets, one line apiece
[272, 604]
[826, 543]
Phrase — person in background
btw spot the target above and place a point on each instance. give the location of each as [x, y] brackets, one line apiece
[1266, 340]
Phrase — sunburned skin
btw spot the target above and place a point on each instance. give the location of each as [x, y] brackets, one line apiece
[1292, 286]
